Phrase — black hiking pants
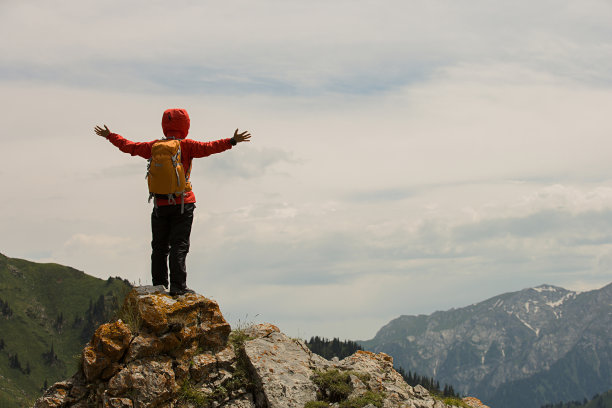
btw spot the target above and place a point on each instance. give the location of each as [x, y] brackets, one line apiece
[171, 231]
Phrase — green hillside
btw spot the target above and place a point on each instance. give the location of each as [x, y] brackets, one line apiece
[47, 314]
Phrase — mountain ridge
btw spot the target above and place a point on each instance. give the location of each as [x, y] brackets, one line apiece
[508, 343]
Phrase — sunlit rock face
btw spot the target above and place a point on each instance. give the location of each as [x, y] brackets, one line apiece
[143, 358]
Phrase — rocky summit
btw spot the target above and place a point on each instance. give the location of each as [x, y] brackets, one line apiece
[180, 352]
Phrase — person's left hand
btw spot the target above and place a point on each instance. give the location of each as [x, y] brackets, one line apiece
[242, 137]
[102, 132]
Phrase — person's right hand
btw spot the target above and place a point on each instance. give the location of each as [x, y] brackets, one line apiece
[102, 132]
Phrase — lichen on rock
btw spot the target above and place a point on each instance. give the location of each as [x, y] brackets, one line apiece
[141, 366]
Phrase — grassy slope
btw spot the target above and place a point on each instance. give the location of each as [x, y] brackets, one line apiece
[38, 294]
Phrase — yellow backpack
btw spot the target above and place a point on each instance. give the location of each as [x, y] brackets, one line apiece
[165, 173]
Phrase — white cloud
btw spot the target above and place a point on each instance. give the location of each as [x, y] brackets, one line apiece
[273, 46]
[408, 157]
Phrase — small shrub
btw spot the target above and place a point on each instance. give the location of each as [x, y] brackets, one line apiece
[238, 337]
[188, 393]
[457, 402]
[334, 385]
[364, 377]
[370, 397]
[241, 377]
[130, 314]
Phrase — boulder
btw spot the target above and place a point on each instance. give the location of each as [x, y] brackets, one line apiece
[283, 367]
[107, 346]
[149, 382]
[474, 402]
[139, 359]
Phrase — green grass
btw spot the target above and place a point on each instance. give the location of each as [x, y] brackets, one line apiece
[370, 397]
[237, 338]
[335, 387]
[128, 312]
[457, 402]
[241, 377]
[38, 294]
[188, 393]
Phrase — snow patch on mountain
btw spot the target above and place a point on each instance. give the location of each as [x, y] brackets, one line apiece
[535, 330]
[559, 302]
[545, 288]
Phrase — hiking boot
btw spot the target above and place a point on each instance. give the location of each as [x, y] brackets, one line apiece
[180, 291]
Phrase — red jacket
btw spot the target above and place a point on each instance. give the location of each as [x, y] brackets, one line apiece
[175, 123]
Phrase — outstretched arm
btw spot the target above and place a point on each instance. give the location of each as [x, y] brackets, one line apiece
[126, 146]
[202, 149]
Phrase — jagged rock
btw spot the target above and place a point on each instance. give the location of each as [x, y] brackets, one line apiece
[118, 403]
[175, 353]
[144, 345]
[194, 317]
[203, 365]
[125, 368]
[60, 393]
[383, 378]
[282, 366]
[149, 290]
[112, 339]
[57, 395]
[421, 391]
[226, 357]
[149, 382]
[106, 347]
[474, 402]
[245, 401]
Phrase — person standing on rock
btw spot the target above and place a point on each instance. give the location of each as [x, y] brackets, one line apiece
[172, 214]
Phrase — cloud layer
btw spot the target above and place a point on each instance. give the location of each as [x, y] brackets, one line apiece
[406, 158]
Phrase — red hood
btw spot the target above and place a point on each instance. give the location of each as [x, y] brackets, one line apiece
[175, 123]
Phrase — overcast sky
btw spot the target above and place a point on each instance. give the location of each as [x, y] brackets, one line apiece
[407, 156]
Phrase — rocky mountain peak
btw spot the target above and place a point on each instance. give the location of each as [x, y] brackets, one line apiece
[180, 352]
[526, 348]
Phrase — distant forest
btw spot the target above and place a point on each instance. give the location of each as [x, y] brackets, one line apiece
[598, 401]
[335, 348]
[332, 348]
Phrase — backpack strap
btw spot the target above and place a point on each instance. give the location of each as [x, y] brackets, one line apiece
[175, 164]
[188, 174]
[149, 169]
